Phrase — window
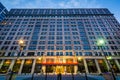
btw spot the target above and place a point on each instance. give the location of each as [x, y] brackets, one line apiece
[4, 48]
[50, 42]
[66, 29]
[42, 42]
[78, 53]
[86, 47]
[27, 33]
[50, 53]
[76, 42]
[67, 42]
[66, 33]
[43, 37]
[33, 42]
[51, 33]
[35, 33]
[11, 54]
[75, 37]
[59, 37]
[43, 33]
[77, 48]
[74, 33]
[67, 38]
[30, 53]
[59, 33]
[52, 29]
[1, 42]
[68, 48]
[59, 42]
[7, 42]
[40, 53]
[2, 37]
[51, 37]
[9, 38]
[32, 47]
[59, 53]
[114, 47]
[41, 47]
[13, 48]
[98, 53]
[59, 47]
[105, 53]
[111, 42]
[2, 53]
[69, 54]
[88, 53]
[50, 48]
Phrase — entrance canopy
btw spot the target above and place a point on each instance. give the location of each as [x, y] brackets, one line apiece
[58, 63]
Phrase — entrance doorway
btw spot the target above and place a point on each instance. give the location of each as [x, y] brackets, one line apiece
[60, 69]
[70, 69]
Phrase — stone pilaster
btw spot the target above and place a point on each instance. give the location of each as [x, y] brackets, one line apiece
[22, 63]
[97, 65]
[33, 66]
[85, 64]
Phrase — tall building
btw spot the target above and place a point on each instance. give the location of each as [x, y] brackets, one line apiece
[3, 12]
[59, 40]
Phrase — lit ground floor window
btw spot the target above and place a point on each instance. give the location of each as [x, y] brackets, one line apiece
[58, 64]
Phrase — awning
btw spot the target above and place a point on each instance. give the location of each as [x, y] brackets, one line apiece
[52, 63]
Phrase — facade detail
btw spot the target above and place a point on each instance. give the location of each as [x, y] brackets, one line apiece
[59, 41]
[3, 12]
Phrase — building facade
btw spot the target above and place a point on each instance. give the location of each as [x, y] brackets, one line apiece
[3, 12]
[59, 41]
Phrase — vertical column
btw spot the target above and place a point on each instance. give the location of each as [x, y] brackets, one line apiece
[97, 65]
[75, 69]
[117, 63]
[107, 64]
[43, 69]
[2, 63]
[12, 64]
[33, 66]
[65, 69]
[85, 64]
[22, 63]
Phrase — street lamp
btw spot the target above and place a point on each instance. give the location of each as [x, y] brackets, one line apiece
[100, 43]
[21, 44]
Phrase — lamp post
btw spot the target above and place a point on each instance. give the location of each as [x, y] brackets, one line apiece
[100, 44]
[86, 75]
[46, 73]
[21, 44]
[44, 57]
[72, 72]
[32, 78]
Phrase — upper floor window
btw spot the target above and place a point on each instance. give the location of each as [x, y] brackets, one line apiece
[50, 53]
[67, 42]
[59, 53]
[69, 54]
[77, 48]
[88, 53]
[78, 53]
[68, 47]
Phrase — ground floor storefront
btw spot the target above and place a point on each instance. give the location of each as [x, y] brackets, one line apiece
[60, 69]
[58, 64]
